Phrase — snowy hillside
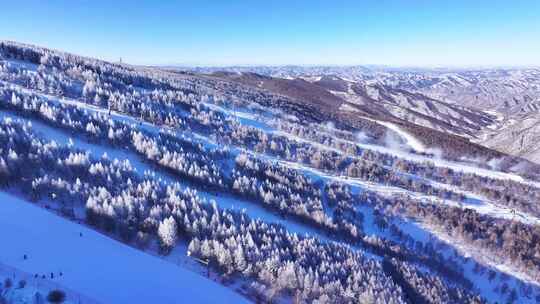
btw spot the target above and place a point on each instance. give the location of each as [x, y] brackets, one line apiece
[94, 264]
[464, 102]
[146, 185]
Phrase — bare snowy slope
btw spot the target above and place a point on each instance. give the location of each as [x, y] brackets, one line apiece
[94, 264]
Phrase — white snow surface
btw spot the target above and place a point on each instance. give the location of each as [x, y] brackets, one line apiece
[94, 264]
[411, 141]
[35, 285]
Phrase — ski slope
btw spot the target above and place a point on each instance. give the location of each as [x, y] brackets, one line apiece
[224, 201]
[95, 264]
[408, 138]
[436, 161]
[35, 285]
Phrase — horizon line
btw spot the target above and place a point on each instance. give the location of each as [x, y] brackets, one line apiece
[352, 65]
[302, 65]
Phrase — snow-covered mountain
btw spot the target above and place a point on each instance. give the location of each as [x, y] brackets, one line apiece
[505, 89]
[477, 104]
[126, 184]
[517, 134]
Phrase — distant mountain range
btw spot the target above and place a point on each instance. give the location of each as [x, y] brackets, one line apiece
[495, 107]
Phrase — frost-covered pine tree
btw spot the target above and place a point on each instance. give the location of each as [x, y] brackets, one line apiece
[239, 259]
[168, 233]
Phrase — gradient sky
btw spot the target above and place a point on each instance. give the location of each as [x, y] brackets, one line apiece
[275, 32]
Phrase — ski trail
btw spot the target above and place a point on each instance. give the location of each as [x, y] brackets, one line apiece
[410, 140]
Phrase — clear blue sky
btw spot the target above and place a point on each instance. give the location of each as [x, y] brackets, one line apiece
[225, 32]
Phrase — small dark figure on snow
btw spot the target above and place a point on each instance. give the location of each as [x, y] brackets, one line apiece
[56, 296]
[80, 234]
[52, 275]
[25, 257]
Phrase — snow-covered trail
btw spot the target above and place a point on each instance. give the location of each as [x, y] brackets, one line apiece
[254, 210]
[474, 201]
[94, 264]
[243, 117]
[423, 232]
[115, 115]
[481, 206]
[437, 162]
[427, 233]
[487, 288]
[500, 264]
[460, 167]
[225, 201]
[410, 140]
